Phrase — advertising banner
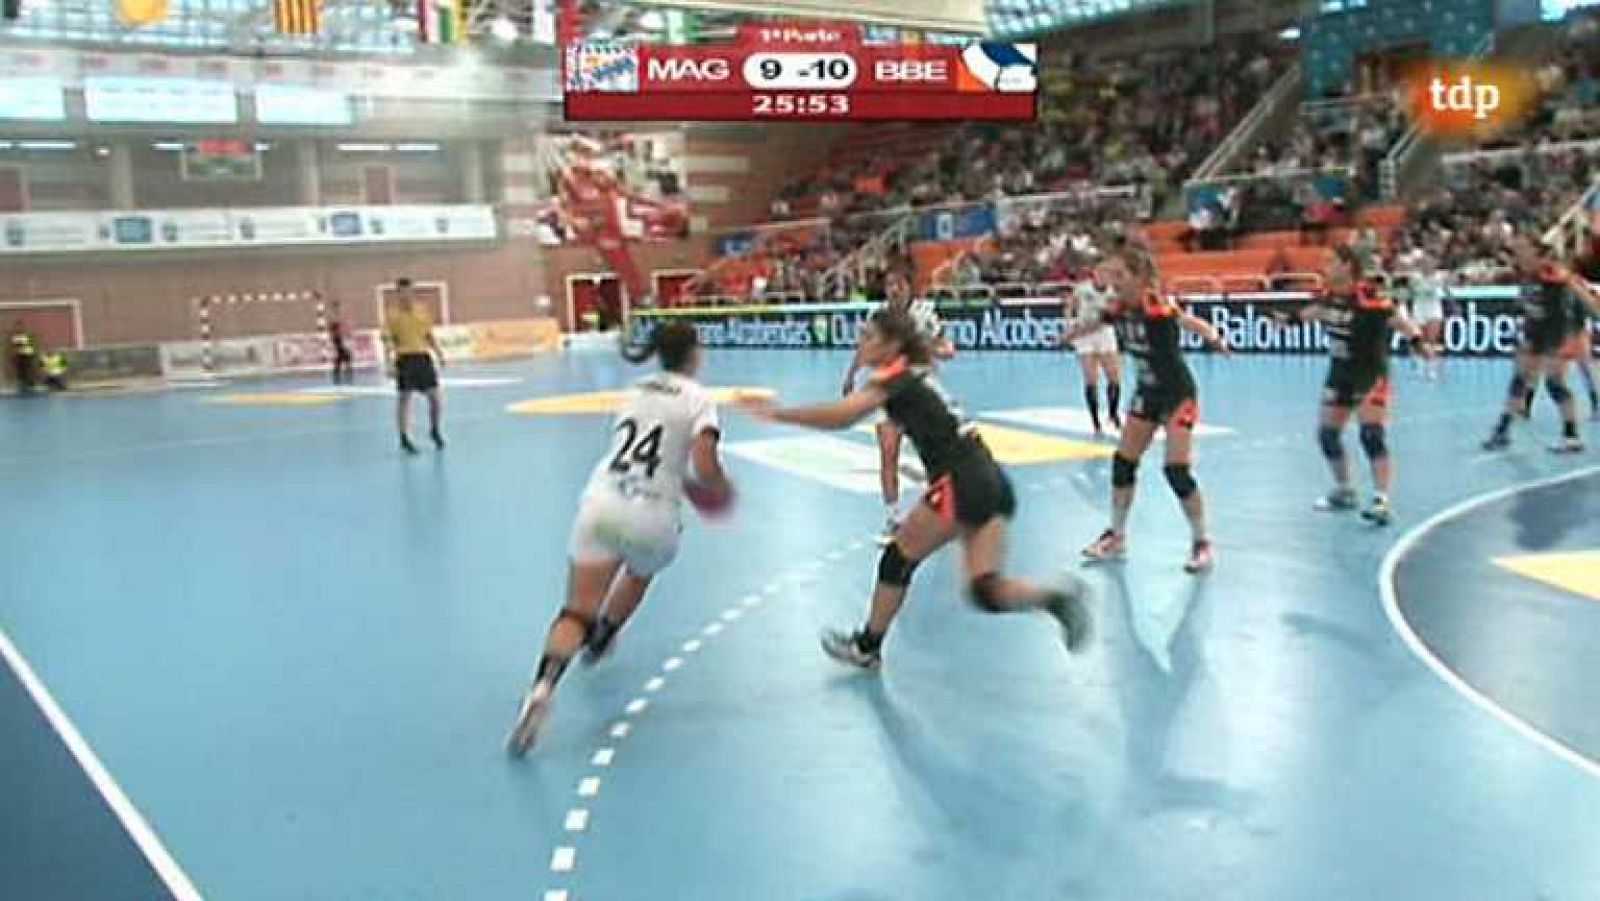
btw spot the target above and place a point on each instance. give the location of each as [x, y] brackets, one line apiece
[514, 338]
[1483, 324]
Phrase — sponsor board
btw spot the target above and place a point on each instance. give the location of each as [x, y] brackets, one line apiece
[1488, 326]
[514, 338]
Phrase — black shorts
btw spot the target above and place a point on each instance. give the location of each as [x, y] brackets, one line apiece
[415, 372]
[974, 492]
[1169, 406]
[1543, 342]
[1348, 389]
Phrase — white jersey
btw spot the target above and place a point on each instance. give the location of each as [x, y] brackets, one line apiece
[926, 317]
[652, 436]
[1090, 303]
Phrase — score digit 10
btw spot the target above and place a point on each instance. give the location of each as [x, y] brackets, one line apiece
[800, 71]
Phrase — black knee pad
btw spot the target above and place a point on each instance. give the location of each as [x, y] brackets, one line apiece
[584, 622]
[1374, 440]
[1558, 390]
[1123, 471]
[1181, 480]
[986, 593]
[1328, 439]
[893, 567]
[1519, 387]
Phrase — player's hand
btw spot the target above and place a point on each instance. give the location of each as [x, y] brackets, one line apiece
[757, 407]
[1224, 348]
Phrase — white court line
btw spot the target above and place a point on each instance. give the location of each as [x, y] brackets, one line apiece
[731, 614]
[692, 645]
[177, 881]
[712, 629]
[655, 683]
[621, 730]
[563, 859]
[752, 600]
[671, 664]
[577, 820]
[556, 895]
[636, 706]
[1397, 619]
[603, 757]
[589, 786]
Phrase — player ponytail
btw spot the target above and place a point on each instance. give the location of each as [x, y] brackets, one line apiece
[897, 325]
[673, 342]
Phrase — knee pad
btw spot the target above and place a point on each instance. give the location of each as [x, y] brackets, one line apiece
[1374, 440]
[1519, 387]
[583, 621]
[1558, 390]
[986, 593]
[893, 567]
[1181, 480]
[1123, 471]
[1328, 439]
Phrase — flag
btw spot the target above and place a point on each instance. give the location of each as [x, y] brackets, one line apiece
[441, 21]
[297, 16]
[137, 13]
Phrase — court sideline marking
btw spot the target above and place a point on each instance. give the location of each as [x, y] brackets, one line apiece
[564, 856]
[134, 823]
[1391, 607]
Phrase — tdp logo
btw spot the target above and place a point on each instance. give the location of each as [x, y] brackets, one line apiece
[1464, 96]
[1468, 98]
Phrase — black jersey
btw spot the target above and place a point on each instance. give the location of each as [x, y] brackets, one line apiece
[1547, 307]
[1359, 331]
[1152, 337]
[921, 408]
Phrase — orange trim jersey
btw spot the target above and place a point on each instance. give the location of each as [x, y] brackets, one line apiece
[1359, 330]
[921, 408]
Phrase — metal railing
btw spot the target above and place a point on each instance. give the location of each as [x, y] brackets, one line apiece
[1249, 128]
[1576, 225]
[1404, 155]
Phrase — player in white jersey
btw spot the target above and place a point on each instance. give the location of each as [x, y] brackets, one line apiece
[1429, 288]
[1097, 350]
[664, 444]
[926, 317]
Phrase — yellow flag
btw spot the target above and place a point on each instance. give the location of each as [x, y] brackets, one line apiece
[135, 13]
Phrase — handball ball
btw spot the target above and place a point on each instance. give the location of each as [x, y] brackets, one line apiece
[712, 503]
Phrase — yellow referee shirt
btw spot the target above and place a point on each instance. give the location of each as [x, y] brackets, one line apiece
[408, 331]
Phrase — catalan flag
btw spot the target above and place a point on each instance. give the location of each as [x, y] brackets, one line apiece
[441, 21]
[297, 16]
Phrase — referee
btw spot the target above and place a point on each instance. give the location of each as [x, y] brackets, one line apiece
[408, 338]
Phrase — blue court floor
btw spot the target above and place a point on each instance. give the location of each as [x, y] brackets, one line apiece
[289, 657]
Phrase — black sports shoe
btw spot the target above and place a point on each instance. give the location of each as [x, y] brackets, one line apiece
[438, 439]
[407, 446]
[1497, 441]
[1069, 607]
[849, 648]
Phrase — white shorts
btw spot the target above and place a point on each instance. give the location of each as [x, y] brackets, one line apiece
[642, 533]
[1099, 341]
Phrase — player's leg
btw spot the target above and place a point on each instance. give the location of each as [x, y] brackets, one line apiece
[1180, 478]
[1111, 364]
[1374, 418]
[928, 527]
[1089, 364]
[588, 582]
[1331, 421]
[889, 474]
[994, 592]
[1524, 381]
[1131, 446]
[1555, 372]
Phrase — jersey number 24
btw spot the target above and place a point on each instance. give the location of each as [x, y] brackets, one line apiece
[636, 451]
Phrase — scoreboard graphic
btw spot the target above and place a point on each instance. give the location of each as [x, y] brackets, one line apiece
[793, 73]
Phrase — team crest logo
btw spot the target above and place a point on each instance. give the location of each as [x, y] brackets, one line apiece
[999, 68]
[609, 67]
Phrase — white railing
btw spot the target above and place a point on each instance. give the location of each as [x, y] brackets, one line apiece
[1465, 157]
[1405, 150]
[1577, 226]
[1250, 128]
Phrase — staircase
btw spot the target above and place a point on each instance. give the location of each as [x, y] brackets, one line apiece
[1273, 114]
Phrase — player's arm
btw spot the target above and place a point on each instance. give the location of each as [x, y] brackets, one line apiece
[1205, 330]
[943, 348]
[1585, 291]
[707, 462]
[850, 374]
[1402, 323]
[839, 414]
[1311, 312]
[433, 344]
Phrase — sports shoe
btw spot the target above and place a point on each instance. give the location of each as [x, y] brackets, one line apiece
[530, 716]
[1337, 499]
[1069, 607]
[598, 645]
[1109, 546]
[407, 446]
[1201, 558]
[438, 439]
[1568, 445]
[1378, 512]
[846, 647]
[1497, 441]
